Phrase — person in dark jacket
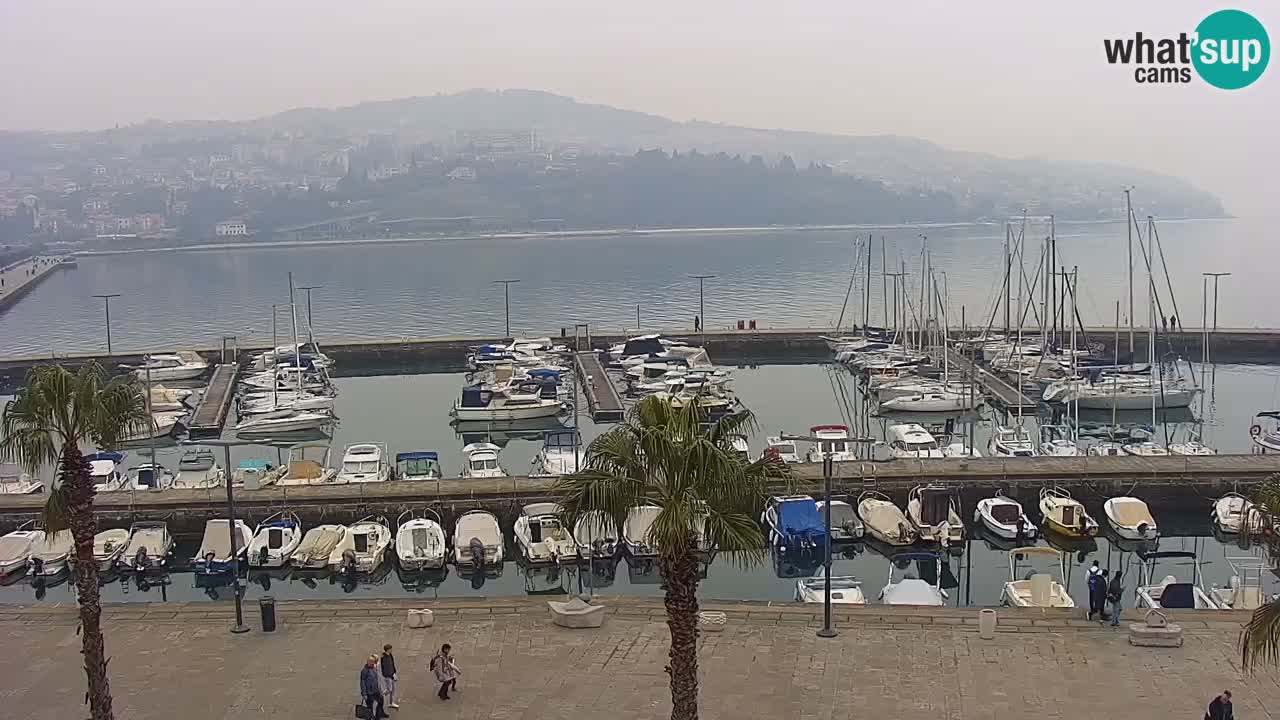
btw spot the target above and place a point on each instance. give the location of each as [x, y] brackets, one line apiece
[1220, 708]
[389, 676]
[1097, 591]
[371, 688]
[1115, 593]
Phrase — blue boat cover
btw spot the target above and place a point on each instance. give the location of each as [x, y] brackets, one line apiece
[474, 397]
[545, 374]
[796, 517]
[115, 457]
[253, 464]
[418, 455]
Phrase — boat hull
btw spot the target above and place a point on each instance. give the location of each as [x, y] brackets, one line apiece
[464, 414]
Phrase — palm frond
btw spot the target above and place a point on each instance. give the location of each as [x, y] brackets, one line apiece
[1266, 499]
[57, 509]
[1260, 639]
[120, 411]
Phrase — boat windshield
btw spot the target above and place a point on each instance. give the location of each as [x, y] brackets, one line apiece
[360, 466]
[484, 464]
[921, 446]
[832, 446]
[785, 448]
[419, 467]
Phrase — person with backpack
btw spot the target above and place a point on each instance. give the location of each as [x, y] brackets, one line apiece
[446, 671]
[1097, 591]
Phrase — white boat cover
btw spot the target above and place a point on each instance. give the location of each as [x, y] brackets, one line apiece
[1130, 512]
[319, 542]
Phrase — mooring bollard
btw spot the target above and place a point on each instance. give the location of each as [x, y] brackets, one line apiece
[986, 623]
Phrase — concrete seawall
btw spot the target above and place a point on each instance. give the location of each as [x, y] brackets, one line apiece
[21, 278]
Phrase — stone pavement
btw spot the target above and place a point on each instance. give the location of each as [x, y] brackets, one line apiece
[179, 660]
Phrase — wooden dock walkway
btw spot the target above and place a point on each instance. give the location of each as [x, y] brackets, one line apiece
[603, 400]
[211, 413]
[995, 387]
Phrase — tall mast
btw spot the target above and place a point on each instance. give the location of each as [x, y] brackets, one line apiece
[884, 282]
[866, 293]
[297, 350]
[1128, 222]
[1008, 274]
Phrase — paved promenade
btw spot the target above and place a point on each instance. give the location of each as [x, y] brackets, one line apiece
[179, 660]
[20, 278]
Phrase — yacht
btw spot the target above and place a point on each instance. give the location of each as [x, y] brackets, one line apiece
[418, 465]
[198, 469]
[523, 403]
[561, 454]
[1170, 593]
[284, 421]
[884, 520]
[249, 405]
[1011, 442]
[845, 589]
[364, 462]
[224, 544]
[15, 482]
[275, 540]
[934, 401]
[182, 365]
[148, 547]
[783, 450]
[1121, 392]
[363, 547]
[477, 541]
[482, 461]
[845, 524]
[934, 511]
[911, 440]
[1004, 517]
[420, 541]
[833, 440]
[1130, 519]
[910, 589]
[1040, 590]
[49, 552]
[1065, 515]
[541, 536]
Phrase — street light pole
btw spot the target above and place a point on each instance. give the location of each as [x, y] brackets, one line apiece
[506, 300]
[106, 302]
[702, 307]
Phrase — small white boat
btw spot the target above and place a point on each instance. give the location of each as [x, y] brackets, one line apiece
[482, 461]
[884, 520]
[223, 544]
[1244, 591]
[165, 399]
[1004, 517]
[15, 548]
[1130, 518]
[105, 472]
[934, 510]
[150, 476]
[364, 462]
[15, 482]
[163, 425]
[561, 454]
[420, 541]
[911, 440]
[1265, 431]
[1171, 593]
[198, 469]
[182, 365]
[1040, 590]
[418, 465]
[635, 530]
[317, 545]
[845, 589]
[275, 540]
[293, 401]
[541, 536]
[1145, 449]
[148, 548]
[845, 525]
[49, 553]
[1055, 441]
[523, 403]
[1191, 447]
[1065, 515]
[833, 440]
[933, 401]
[1233, 513]
[1105, 449]
[363, 547]
[596, 535]
[477, 541]
[1011, 442]
[287, 421]
[910, 589]
[108, 546]
[783, 450]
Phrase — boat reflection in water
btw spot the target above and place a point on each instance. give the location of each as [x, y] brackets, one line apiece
[420, 581]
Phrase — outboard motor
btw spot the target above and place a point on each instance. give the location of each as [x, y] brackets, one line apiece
[477, 552]
[141, 561]
[348, 562]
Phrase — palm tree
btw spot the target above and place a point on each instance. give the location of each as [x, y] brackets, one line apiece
[663, 456]
[53, 413]
[1260, 641]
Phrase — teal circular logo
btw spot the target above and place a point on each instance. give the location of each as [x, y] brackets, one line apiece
[1232, 49]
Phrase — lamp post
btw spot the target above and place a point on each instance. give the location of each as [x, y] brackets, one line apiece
[702, 308]
[506, 300]
[310, 333]
[828, 463]
[226, 446]
[106, 302]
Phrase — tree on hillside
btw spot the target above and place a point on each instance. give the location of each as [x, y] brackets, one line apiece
[663, 456]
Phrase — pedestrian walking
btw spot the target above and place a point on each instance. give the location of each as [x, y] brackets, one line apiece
[1115, 593]
[388, 667]
[371, 689]
[1220, 708]
[1097, 591]
[446, 671]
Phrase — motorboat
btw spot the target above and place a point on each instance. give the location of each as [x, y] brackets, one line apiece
[49, 552]
[561, 454]
[1233, 513]
[287, 421]
[302, 470]
[181, 365]
[148, 547]
[884, 520]
[163, 425]
[845, 524]
[522, 403]
[635, 530]
[1055, 441]
[783, 450]
[482, 461]
[933, 401]
[596, 535]
[1244, 591]
[275, 541]
[1040, 590]
[108, 547]
[363, 547]
[910, 589]
[1146, 448]
[1065, 515]
[833, 441]
[15, 549]
[794, 524]
[477, 541]
[288, 400]
[1105, 448]
[317, 545]
[15, 482]
[165, 399]
[1191, 448]
[845, 589]
[420, 541]
[1265, 431]
[934, 510]
[1130, 518]
[418, 465]
[541, 536]
[1011, 442]
[104, 471]
[198, 469]
[1170, 593]
[289, 355]
[254, 473]
[150, 476]
[364, 462]
[224, 544]
[1003, 516]
[911, 440]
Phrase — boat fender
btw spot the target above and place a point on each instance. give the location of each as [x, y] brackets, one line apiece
[1255, 430]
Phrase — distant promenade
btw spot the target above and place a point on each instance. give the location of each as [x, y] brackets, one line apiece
[179, 660]
[20, 278]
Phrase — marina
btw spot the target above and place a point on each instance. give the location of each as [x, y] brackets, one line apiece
[211, 413]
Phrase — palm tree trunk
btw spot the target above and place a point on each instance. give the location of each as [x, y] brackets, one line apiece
[80, 491]
[680, 578]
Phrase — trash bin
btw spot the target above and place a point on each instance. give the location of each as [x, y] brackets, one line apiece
[267, 605]
[986, 623]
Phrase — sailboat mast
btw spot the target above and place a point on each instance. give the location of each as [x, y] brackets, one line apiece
[866, 293]
[1117, 365]
[297, 350]
[1075, 370]
[1151, 338]
[1128, 221]
[884, 282]
[1008, 274]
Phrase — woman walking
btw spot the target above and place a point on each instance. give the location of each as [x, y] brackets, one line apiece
[446, 671]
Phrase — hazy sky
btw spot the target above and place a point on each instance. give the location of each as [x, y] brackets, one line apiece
[1013, 78]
